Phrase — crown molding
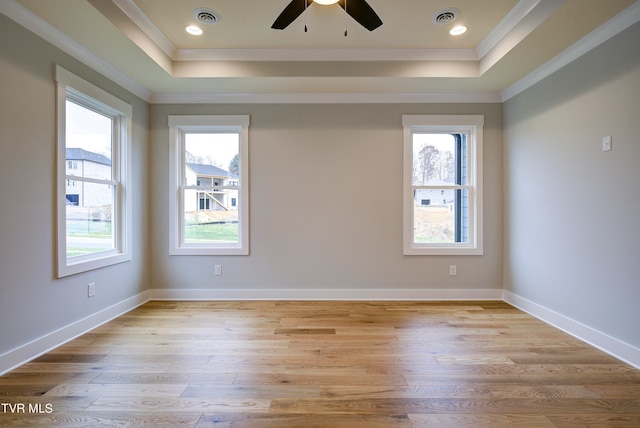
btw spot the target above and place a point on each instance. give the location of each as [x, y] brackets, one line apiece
[321, 54]
[325, 98]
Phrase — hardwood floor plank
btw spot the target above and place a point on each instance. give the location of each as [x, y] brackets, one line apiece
[595, 420]
[165, 378]
[107, 419]
[294, 331]
[116, 390]
[253, 391]
[473, 359]
[302, 421]
[54, 357]
[481, 421]
[197, 405]
[318, 379]
[41, 375]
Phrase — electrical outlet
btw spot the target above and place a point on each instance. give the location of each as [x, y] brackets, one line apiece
[453, 270]
[91, 289]
[217, 270]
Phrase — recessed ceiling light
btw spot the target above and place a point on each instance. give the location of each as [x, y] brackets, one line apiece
[457, 30]
[194, 30]
[326, 2]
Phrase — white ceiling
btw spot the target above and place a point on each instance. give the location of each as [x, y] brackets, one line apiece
[142, 45]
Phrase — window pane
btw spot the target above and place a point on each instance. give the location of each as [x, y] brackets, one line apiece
[440, 216]
[88, 142]
[434, 159]
[89, 219]
[206, 222]
[212, 159]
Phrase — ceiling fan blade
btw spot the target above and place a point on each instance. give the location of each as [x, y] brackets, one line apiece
[290, 14]
[362, 13]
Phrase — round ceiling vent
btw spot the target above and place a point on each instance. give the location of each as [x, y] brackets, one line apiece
[206, 16]
[445, 16]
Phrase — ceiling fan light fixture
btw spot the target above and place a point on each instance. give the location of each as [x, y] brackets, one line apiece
[325, 2]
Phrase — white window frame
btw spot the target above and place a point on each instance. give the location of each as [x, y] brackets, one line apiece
[472, 125]
[70, 86]
[179, 125]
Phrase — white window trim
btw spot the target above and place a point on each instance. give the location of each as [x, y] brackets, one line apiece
[473, 126]
[71, 85]
[178, 125]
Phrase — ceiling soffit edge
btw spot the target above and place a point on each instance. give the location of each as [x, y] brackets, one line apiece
[519, 27]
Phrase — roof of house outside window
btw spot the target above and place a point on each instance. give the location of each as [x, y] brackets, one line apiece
[210, 170]
[82, 154]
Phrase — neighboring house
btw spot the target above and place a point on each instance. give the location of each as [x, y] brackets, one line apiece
[212, 198]
[435, 197]
[83, 163]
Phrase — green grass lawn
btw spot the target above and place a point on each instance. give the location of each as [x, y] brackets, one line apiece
[89, 229]
[211, 232]
[76, 251]
[194, 234]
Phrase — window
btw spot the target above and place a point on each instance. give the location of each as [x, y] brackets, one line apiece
[93, 198]
[209, 199]
[442, 185]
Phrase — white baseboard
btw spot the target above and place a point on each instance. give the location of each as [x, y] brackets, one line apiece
[326, 294]
[612, 346]
[29, 351]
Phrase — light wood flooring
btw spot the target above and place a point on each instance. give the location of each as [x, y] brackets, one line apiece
[323, 364]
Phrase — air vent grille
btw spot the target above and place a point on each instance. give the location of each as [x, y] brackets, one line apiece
[206, 16]
[445, 16]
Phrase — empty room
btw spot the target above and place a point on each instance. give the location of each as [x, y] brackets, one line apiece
[289, 213]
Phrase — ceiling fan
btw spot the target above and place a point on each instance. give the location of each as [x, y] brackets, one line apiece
[357, 9]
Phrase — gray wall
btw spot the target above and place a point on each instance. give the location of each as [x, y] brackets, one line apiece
[32, 302]
[326, 202]
[572, 211]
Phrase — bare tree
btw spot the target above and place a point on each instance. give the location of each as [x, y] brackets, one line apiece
[428, 163]
[447, 167]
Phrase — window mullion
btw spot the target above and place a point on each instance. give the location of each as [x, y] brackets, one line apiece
[92, 180]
